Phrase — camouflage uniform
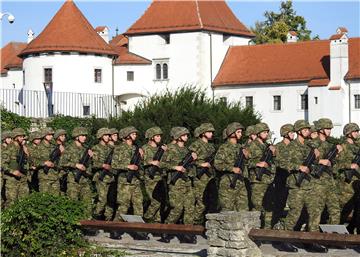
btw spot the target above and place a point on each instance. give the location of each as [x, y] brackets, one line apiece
[33, 171]
[62, 173]
[127, 193]
[181, 195]
[262, 192]
[101, 152]
[80, 191]
[230, 199]
[203, 150]
[153, 185]
[4, 145]
[305, 195]
[15, 187]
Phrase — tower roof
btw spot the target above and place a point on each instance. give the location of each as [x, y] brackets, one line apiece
[196, 15]
[68, 30]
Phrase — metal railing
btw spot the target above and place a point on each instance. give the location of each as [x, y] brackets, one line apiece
[31, 103]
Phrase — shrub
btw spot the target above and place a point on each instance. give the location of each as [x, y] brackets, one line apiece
[10, 120]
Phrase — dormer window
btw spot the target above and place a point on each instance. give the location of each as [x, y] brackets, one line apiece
[161, 69]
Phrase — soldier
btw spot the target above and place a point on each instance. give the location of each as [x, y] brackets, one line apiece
[250, 134]
[260, 186]
[303, 194]
[204, 172]
[129, 180]
[181, 197]
[313, 131]
[349, 186]
[6, 139]
[231, 197]
[154, 182]
[114, 136]
[75, 162]
[101, 164]
[14, 159]
[60, 139]
[34, 141]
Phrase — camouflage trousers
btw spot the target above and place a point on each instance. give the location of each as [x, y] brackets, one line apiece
[153, 212]
[102, 189]
[15, 189]
[262, 197]
[199, 190]
[181, 199]
[299, 198]
[127, 194]
[49, 183]
[80, 192]
[329, 198]
[232, 199]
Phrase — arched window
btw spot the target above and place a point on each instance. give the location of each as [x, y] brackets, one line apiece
[165, 71]
[158, 71]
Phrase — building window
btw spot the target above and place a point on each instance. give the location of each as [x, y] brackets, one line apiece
[249, 101]
[304, 102]
[277, 102]
[23, 77]
[316, 99]
[130, 75]
[48, 75]
[165, 71]
[97, 73]
[357, 101]
[158, 71]
[86, 110]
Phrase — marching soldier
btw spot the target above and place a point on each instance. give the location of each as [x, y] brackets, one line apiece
[177, 161]
[261, 181]
[154, 181]
[34, 141]
[233, 195]
[313, 131]
[250, 134]
[114, 136]
[14, 159]
[76, 162]
[60, 139]
[204, 172]
[101, 164]
[6, 139]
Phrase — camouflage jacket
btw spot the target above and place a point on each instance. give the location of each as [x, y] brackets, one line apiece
[173, 156]
[101, 152]
[149, 152]
[282, 155]
[226, 156]
[344, 159]
[72, 155]
[122, 156]
[42, 154]
[324, 147]
[9, 158]
[204, 151]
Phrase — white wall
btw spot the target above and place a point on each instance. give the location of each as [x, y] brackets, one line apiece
[12, 80]
[354, 89]
[71, 73]
[263, 102]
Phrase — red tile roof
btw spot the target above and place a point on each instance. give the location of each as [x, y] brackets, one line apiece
[319, 82]
[354, 63]
[336, 36]
[69, 30]
[9, 58]
[126, 58]
[194, 15]
[119, 40]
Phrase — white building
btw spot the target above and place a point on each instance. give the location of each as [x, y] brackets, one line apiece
[177, 43]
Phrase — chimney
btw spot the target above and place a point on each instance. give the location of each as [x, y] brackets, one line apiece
[30, 36]
[339, 58]
[291, 37]
[103, 31]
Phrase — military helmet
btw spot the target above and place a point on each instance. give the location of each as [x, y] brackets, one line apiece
[18, 132]
[121, 133]
[128, 130]
[172, 131]
[101, 132]
[324, 123]
[250, 130]
[6, 134]
[350, 127]
[48, 131]
[59, 132]
[79, 131]
[179, 131]
[205, 127]
[113, 131]
[35, 135]
[151, 132]
[313, 129]
[224, 136]
[301, 124]
[232, 127]
[260, 127]
[285, 129]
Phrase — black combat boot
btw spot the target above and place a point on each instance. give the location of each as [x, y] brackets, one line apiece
[165, 238]
[140, 236]
[285, 247]
[115, 235]
[316, 248]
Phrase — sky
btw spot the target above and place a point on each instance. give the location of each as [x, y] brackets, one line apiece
[323, 17]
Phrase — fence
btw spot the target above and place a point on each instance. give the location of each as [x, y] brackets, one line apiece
[35, 103]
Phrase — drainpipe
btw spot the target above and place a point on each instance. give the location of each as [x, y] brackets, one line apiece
[211, 77]
[346, 82]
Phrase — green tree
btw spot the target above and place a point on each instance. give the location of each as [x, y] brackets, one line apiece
[276, 26]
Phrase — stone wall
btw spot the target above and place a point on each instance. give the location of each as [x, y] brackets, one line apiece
[227, 234]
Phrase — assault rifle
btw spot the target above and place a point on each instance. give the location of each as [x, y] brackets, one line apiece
[186, 163]
[135, 160]
[200, 171]
[267, 157]
[21, 160]
[307, 162]
[108, 160]
[84, 161]
[239, 163]
[352, 172]
[54, 156]
[329, 156]
[157, 157]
